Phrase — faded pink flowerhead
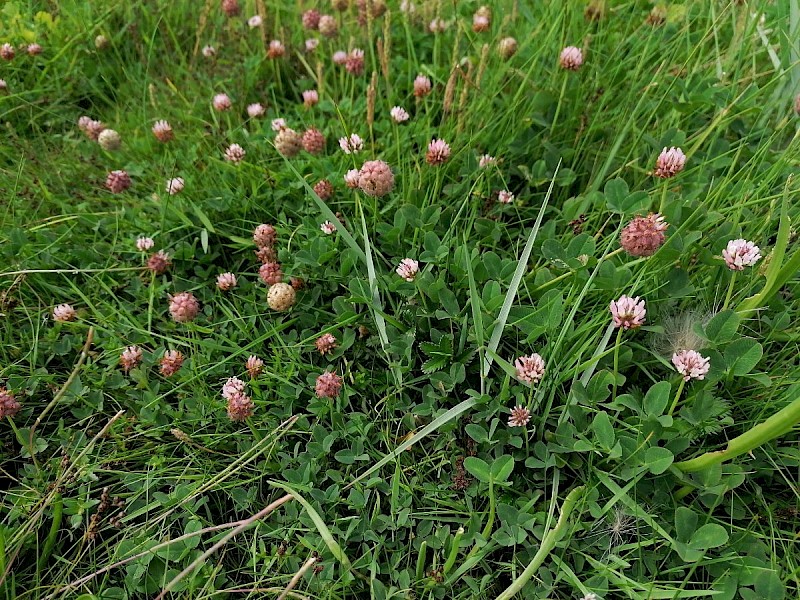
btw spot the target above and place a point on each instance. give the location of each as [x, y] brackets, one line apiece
[171, 362]
[310, 19]
[118, 181]
[288, 142]
[375, 178]
[422, 86]
[64, 313]
[7, 52]
[339, 57]
[530, 369]
[507, 47]
[255, 110]
[175, 185]
[226, 281]
[643, 236]
[571, 58]
[270, 273]
[9, 406]
[235, 153]
[324, 189]
[240, 407]
[351, 178]
[670, 163]
[222, 102]
[310, 98]
[628, 312]
[486, 160]
[143, 244]
[325, 343]
[399, 114]
[328, 228]
[740, 254]
[276, 49]
[130, 358]
[408, 269]
[355, 61]
[438, 152]
[351, 144]
[313, 141]
[34, 49]
[328, 385]
[209, 51]
[254, 366]
[311, 44]
[278, 124]
[519, 416]
[264, 235]
[437, 25]
[232, 386]
[328, 26]
[255, 21]
[183, 307]
[163, 131]
[159, 262]
[691, 364]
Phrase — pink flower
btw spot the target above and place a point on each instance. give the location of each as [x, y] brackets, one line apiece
[519, 417]
[375, 178]
[159, 262]
[328, 26]
[399, 114]
[313, 141]
[175, 185]
[628, 312]
[422, 86]
[355, 62]
[143, 244]
[118, 181]
[486, 160]
[8, 404]
[34, 49]
[130, 358]
[480, 23]
[266, 254]
[408, 269]
[351, 144]
[328, 228]
[226, 281]
[278, 124]
[7, 51]
[240, 407]
[310, 98]
[351, 178]
[311, 44]
[339, 57]
[276, 49]
[64, 313]
[740, 254]
[310, 19]
[438, 152]
[234, 153]
[270, 273]
[163, 131]
[209, 51]
[93, 129]
[670, 163]
[3, 85]
[222, 102]
[505, 197]
[325, 343]
[323, 189]
[691, 364]
[571, 58]
[254, 366]
[255, 110]
[183, 307]
[171, 362]
[530, 369]
[232, 386]
[643, 236]
[255, 21]
[264, 235]
[328, 385]
[437, 26]
[507, 47]
[231, 7]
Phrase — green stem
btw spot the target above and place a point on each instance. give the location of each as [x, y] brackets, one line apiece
[729, 295]
[663, 204]
[677, 397]
[616, 362]
[548, 543]
[558, 106]
[487, 530]
[55, 526]
[775, 426]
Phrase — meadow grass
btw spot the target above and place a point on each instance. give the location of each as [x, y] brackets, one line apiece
[626, 481]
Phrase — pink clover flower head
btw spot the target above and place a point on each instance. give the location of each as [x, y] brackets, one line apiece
[143, 244]
[328, 228]
[399, 114]
[328, 385]
[740, 253]
[222, 102]
[255, 21]
[669, 163]
[375, 178]
[232, 386]
[175, 185]
[255, 110]
[530, 369]
[519, 416]
[310, 97]
[235, 153]
[254, 366]
[130, 358]
[351, 144]
[351, 178]
[183, 307]
[278, 124]
[643, 236]
[408, 269]
[691, 364]
[118, 181]
[422, 86]
[505, 197]
[486, 160]
[571, 58]
[226, 281]
[64, 313]
[628, 313]
[438, 152]
[171, 362]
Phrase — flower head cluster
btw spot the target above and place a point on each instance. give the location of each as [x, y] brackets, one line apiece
[310, 19]
[507, 47]
[324, 189]
[276, 49]
[226, 281]
[325, 343]
[118, 181]
[130, 358]
[355, 61]
[159, 262]
[399, 114]
[240, 405]
[328, 228]
[505, 197]
[254, 366]
[740, 253]
[255, 21]
[64, 313]
[408, 269]
[255, 110]
[175, 185]
[90, 127]
[375, 178]
[9, 406]
[691, 364]
[571, 58]
[171, 362]
[163, 131]
[234, 153]
[265, 235]
[438, 152]
[670, 163]
[310, 98]
[270, 273]
[222, 102]
[183, 307]
[328, 26]
[288, 142]
[481, 19]
[143, 244]
[644, 235]
[422, 86]
[628, 313]
[486, 160]
[530, 369]
[519, 416]
[313, 141]
[351, 144]
[109, 140]
[281, 296]
[328, 385]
